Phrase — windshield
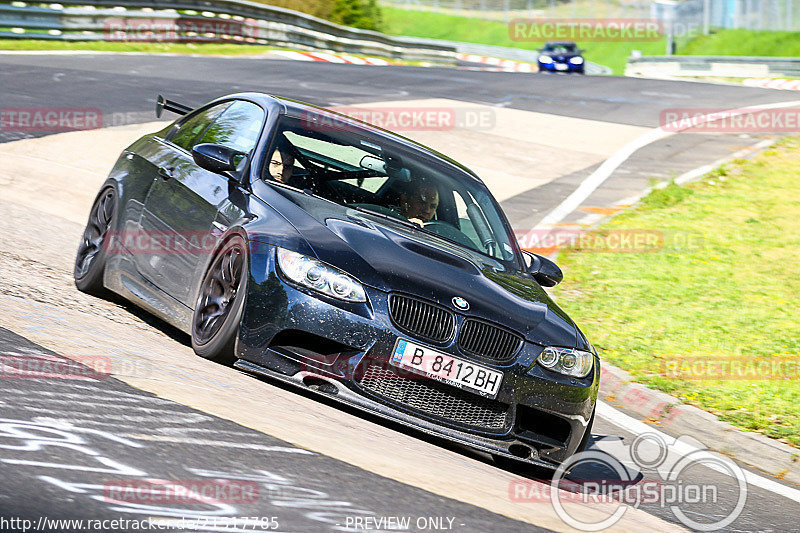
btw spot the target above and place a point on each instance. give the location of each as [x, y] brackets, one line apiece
[560, 48]
[352, 167]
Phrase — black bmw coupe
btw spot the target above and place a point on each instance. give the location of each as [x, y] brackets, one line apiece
[299, 244]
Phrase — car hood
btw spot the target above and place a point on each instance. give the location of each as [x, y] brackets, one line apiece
[393, 258]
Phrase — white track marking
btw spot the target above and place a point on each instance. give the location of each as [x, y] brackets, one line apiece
[289, 54]
[683, 448]
[686, 177]
[586, 188]
[355, 60]
[330, 58]
[596, 178]
[221, 444]
[699, 172]
[66, 395]
[162, 417]
[773, 83]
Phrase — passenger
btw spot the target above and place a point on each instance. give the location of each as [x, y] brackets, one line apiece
[281, 163]
[420, 201]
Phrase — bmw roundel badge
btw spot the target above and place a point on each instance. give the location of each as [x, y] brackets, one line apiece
[460, 303]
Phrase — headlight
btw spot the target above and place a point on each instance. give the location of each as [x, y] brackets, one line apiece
[567, 361]
[316, 275]
[545, 59]
[576, 60]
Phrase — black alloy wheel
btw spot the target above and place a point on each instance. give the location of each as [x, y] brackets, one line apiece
[91, 258]
[219, 304]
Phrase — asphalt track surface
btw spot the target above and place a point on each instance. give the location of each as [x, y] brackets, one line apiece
[64, 472]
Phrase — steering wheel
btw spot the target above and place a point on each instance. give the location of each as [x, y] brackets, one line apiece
[447, 230]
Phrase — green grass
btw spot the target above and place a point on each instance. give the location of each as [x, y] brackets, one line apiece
[613, 55]
[174, 48]
[471, 30]
[732, 293]
[745, 43]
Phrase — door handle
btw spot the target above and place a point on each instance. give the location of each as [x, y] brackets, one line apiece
[165, 173]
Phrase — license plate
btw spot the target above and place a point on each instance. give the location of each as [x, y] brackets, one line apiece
[561, 66]
[446, 368]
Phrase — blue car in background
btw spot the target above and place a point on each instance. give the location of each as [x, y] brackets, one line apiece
[560, 56]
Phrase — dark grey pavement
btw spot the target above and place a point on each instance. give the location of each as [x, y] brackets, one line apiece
[99, 449]
[109, 431]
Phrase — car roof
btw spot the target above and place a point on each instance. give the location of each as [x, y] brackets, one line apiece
[296, 108]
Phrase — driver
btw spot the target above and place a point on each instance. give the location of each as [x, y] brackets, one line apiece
[420, 201]
[281, 163]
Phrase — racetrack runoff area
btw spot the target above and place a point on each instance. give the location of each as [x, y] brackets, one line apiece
[56, 177]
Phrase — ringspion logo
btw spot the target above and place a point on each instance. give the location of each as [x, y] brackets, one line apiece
[654, 471]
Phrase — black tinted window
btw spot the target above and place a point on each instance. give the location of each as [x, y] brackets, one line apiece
[195, 125]
[238, 127]
[354, 168]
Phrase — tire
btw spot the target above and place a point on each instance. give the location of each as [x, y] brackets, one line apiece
[90, 261]
[220, 303]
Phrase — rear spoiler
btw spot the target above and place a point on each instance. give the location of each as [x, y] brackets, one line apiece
[162, 104]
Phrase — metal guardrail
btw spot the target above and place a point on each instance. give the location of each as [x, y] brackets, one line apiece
[716, 66]
[231, 20]
[204, 20]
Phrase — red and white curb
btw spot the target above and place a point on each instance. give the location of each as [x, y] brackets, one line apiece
[495, 63]
[331, 58]
[773, 83]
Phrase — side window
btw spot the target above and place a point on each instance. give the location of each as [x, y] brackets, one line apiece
[238, 127]
[187, 133]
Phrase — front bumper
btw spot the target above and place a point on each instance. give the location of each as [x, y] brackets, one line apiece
[558, 66]
[331, 348]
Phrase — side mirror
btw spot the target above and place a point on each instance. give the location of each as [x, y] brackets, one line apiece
[544, 271]
[216, 158]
